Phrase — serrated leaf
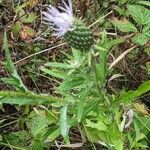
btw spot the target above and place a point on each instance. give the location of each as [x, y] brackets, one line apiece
[10, 66]
[140, 39]
[146, 30]
[140, 14]
[26, 98]
[124, 25]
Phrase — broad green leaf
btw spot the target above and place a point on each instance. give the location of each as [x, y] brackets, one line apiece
[140, 39]
[140, 14]
[124, 25]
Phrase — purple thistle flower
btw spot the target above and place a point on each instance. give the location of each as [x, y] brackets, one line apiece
[61, 22]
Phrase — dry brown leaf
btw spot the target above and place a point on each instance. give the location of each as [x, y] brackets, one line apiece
[31, 3]
[27, 33]
[121, 57]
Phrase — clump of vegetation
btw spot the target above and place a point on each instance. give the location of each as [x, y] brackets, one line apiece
[80, 84]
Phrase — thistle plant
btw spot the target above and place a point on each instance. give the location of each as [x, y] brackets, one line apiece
[81, 101]
[65, 25]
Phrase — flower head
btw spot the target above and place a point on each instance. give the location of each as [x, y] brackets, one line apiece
[60, 21]
[74, 31]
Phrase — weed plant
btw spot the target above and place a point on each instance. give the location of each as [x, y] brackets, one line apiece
[83, 111]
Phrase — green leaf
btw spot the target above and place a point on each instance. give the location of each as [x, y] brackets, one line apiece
[19, 8]
[92, 134]
[58, 65]
[10, 66]
[148, 68]
[146, 3]
[140, 39]
[37, 145]
[99, 125]
[77, 55]
[54, 72]
[68, 85]
[124, 25]
[54, 134]
[129, 96]
[27, 98]
[19, 139]
[37, 124]
[146, 30]
[80, 106]
[147, 51]
[29, 18]
[143, 123]
[101, 69]
[11, 81]
[140, 14]
[16, 28]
